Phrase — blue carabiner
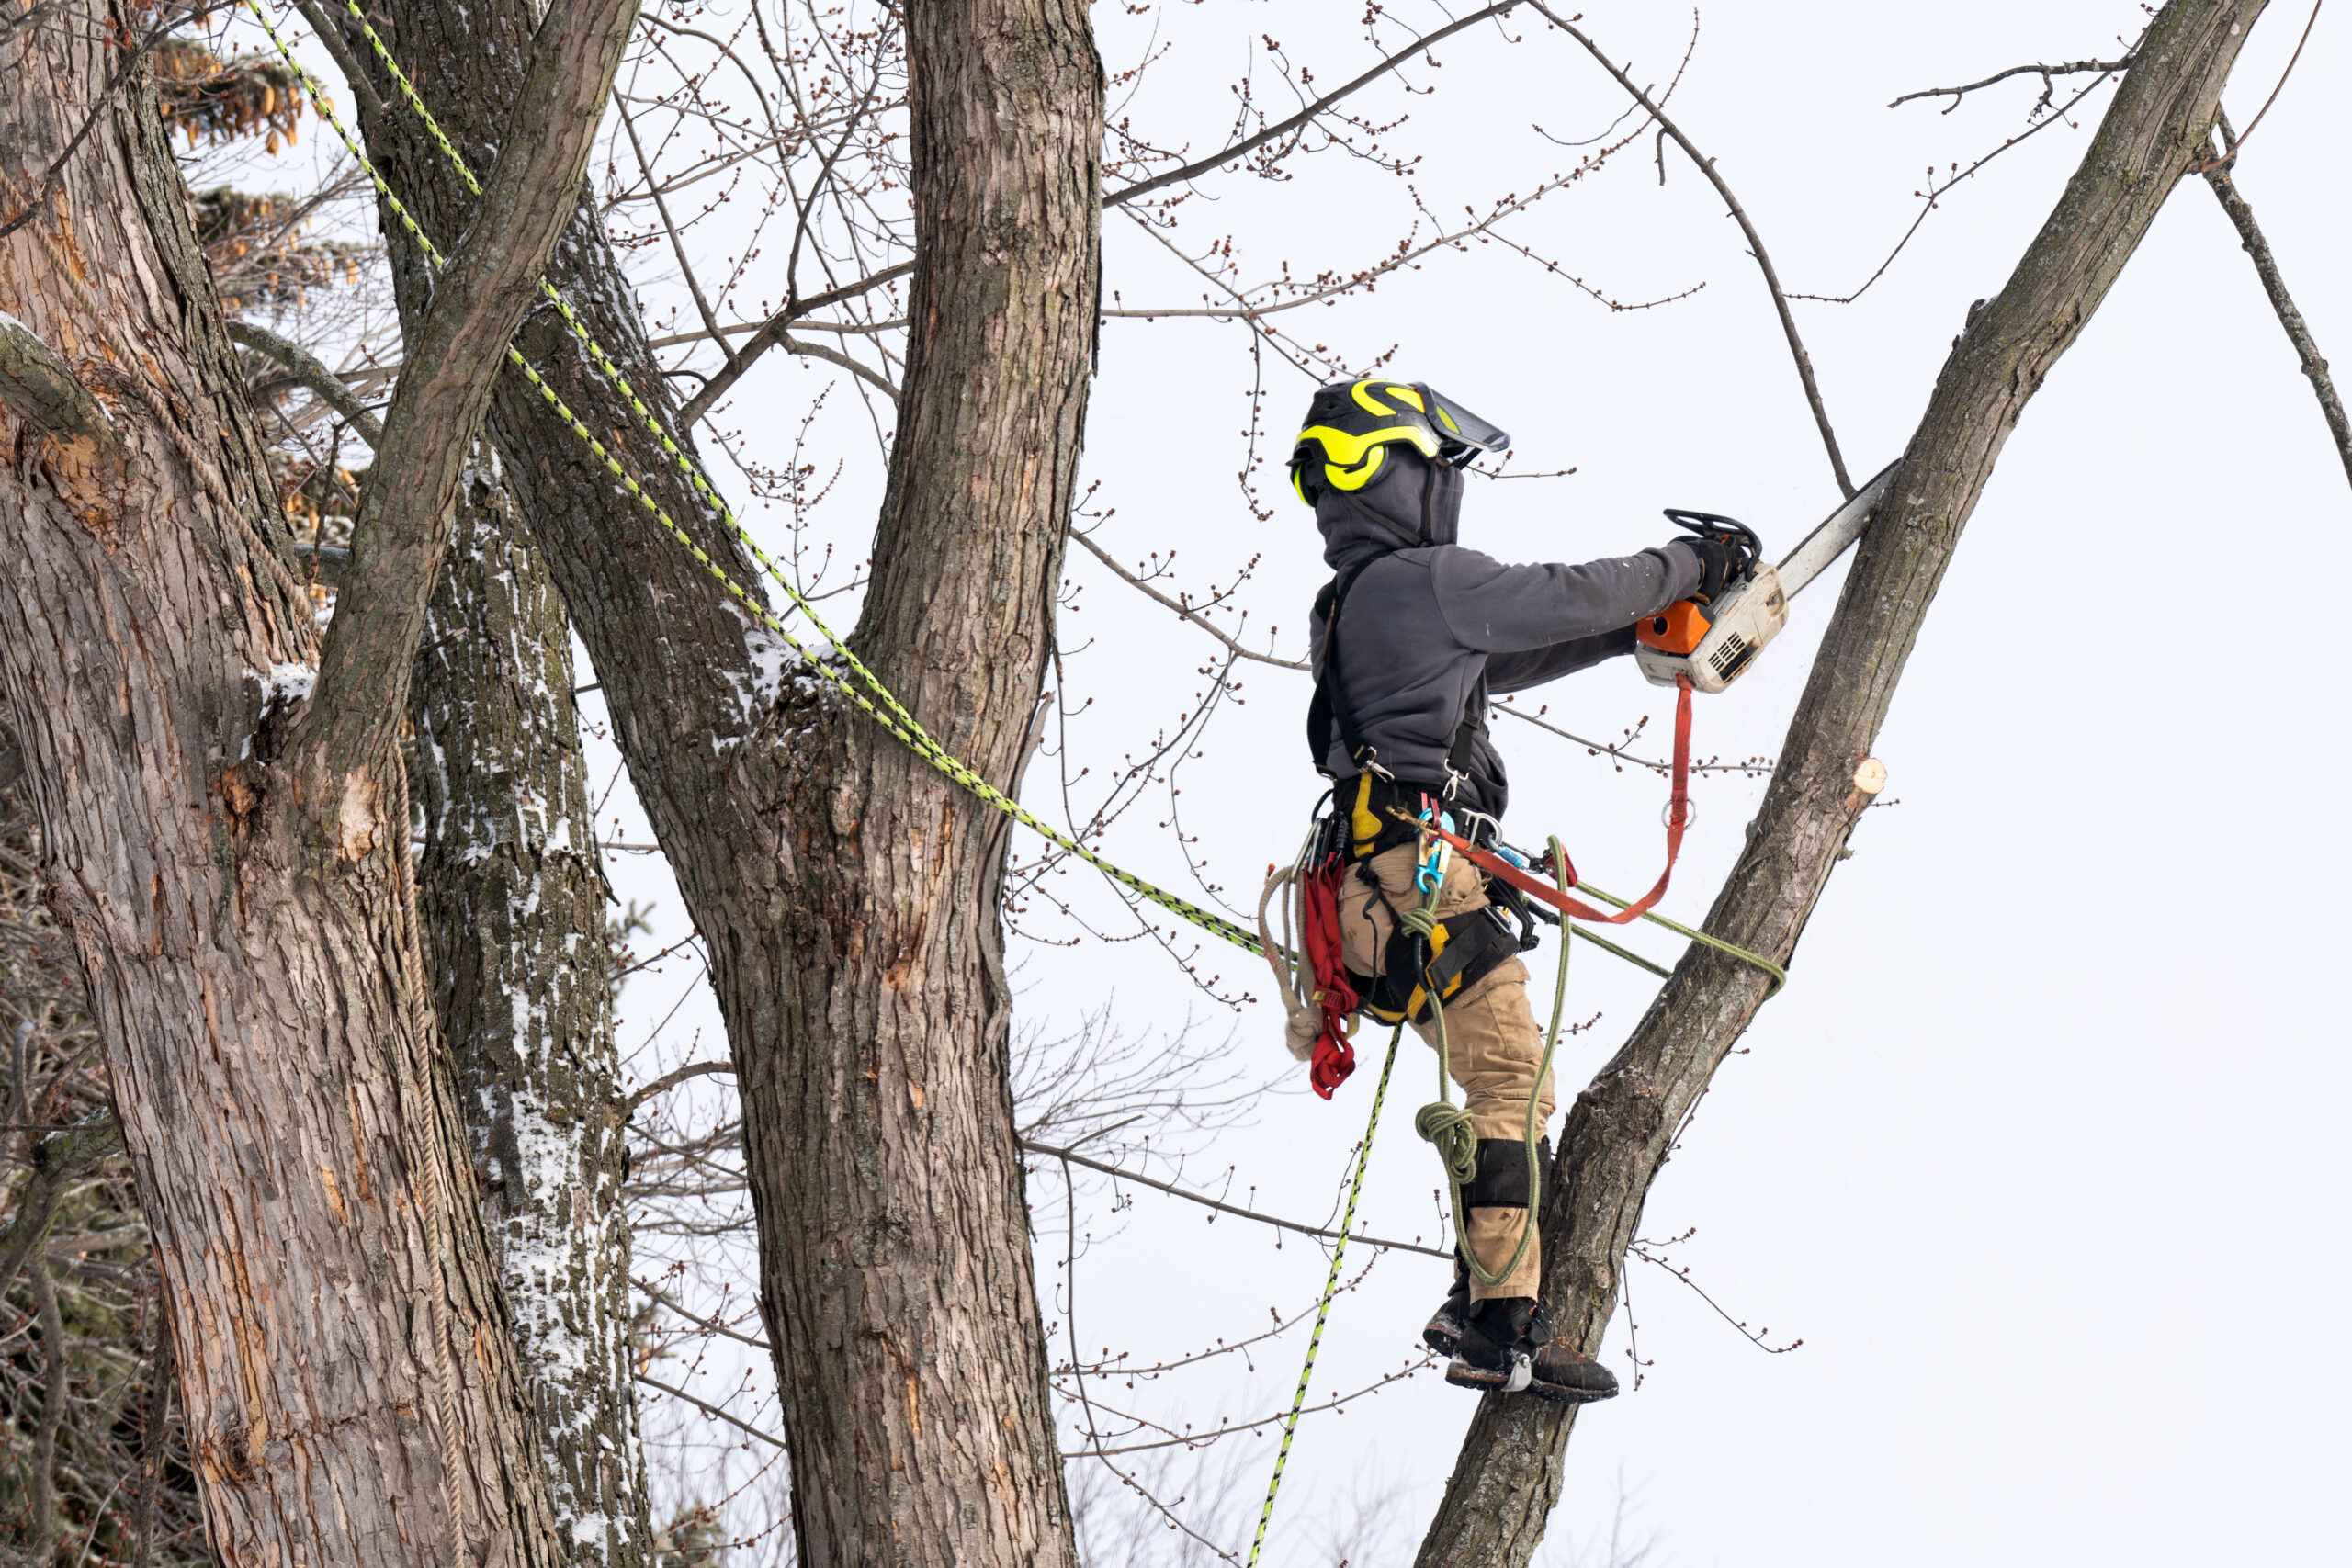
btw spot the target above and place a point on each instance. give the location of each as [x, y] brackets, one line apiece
[1430, 873]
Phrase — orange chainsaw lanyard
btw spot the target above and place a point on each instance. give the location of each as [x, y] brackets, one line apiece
[1677, 816]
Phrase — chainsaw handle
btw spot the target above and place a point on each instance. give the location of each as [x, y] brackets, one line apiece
[1714, 525]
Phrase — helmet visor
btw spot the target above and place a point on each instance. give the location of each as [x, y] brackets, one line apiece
[1462, 434]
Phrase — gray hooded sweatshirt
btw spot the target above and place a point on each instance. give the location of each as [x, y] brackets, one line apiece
[1429, 629]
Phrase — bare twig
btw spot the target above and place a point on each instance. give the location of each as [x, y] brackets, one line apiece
[1184, 609]
[712, 1410]
[1617, 748]
[1273, 132]
[772, 334]
[677, 241]
[2266, 266]
[710, 1325]
[1753, 1335]
[2049, 87]
[1739, 215]
[2251, 125]
[1934, 192]
[670, 1080]
[1175, 1191]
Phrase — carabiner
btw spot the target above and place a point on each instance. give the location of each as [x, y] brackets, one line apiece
[1437, 856]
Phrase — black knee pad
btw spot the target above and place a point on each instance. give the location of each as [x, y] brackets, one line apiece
[1501, 1181]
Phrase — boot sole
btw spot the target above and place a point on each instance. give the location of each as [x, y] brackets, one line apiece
[1445, 1341]
[1560, 1395]
[1462, 1374]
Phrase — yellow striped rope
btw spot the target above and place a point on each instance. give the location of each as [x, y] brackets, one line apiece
[896, 721]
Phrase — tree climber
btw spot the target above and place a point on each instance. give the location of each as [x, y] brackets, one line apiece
[1411, 639]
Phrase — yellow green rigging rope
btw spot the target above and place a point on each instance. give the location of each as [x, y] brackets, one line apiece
[897, 720]
[1323, 1308]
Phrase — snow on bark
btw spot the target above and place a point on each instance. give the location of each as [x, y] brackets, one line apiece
[514, 904]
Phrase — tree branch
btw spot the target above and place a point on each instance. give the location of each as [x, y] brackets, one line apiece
[1273, 132]
[1206, 1203]
[1621, 1128]
[1754, 241]
[2072, 68]
[2266, 266]
[305, 367]
[1186, 611]
[772, 334]
[670, 1080]
[712, 1410]
[452, 361]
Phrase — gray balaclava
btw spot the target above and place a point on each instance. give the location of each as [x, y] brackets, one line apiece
[1412, 502]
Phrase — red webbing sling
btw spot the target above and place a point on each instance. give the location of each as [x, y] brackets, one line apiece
[1335, 994]
[1678, 816]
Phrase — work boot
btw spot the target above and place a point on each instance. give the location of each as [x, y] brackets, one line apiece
[1443, 1330]
[1507, 1346]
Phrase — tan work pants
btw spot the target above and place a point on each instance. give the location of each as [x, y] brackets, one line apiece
[1492, 1042]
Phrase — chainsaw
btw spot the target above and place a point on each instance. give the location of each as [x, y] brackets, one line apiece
[1713, 644]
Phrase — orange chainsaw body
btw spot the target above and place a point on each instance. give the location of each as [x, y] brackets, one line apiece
[1678, 629]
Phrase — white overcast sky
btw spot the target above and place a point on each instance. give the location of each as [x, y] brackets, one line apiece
[2039, 1153]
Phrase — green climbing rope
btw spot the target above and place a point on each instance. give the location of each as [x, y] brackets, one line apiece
[1323, 1308]
[1448, 1126]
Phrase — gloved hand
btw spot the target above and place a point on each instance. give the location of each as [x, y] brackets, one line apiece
[1720, 564]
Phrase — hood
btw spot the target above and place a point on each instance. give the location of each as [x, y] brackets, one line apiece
[1412, 502]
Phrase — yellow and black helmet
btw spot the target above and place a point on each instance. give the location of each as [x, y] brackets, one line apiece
[1351, 424]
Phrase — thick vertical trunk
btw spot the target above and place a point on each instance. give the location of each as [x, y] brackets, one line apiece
[847, 892]
[513, 900]
[1617, 1134]
[350, 1385]
[881, 1131]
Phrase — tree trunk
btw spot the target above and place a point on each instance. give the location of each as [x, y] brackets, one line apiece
[228, 848]
[512, 902]
[848, 892]
[1620, 1129]
[346, 1367]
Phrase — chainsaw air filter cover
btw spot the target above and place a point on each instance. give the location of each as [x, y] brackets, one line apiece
[1713, 644]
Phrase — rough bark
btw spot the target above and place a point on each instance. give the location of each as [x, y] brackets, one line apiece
[848, 893]
[1619, 1131]
[513, 899]
[233, 862]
